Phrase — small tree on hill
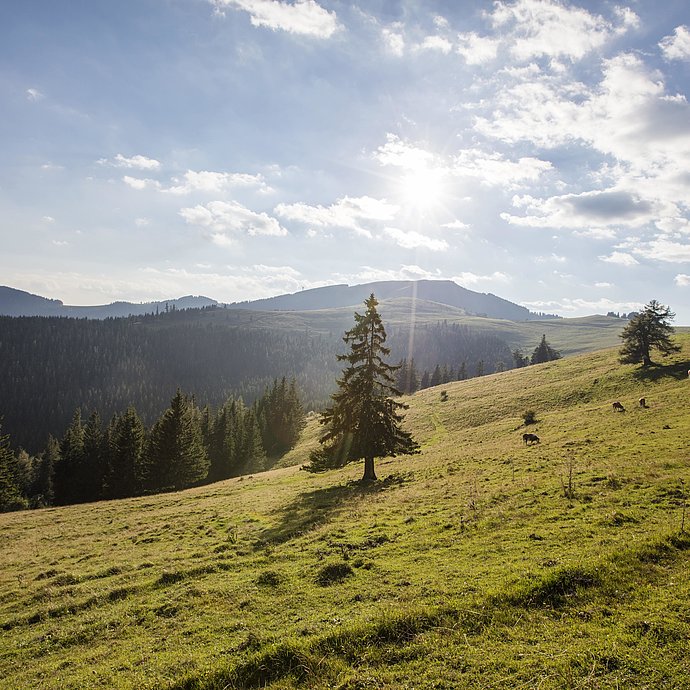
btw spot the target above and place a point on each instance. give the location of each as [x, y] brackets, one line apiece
[544, 352]
[651, 328]
[364, 420]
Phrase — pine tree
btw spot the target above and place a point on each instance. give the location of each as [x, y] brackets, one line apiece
[651, 328]
[70, 470]
[462, 371]
[176, 455]
[43, 491]
[544, 352]
[364, 420]
[95, 458]
[436, 377]
[126, 442]
[424, 383]
[10, 495]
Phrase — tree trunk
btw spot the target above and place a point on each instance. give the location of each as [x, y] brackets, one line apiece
[369, 474]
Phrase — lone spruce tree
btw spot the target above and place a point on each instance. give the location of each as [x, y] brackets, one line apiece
[651, 328]
[364, 420]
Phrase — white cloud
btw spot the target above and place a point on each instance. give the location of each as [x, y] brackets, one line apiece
[620, 258]
[598, 208]
[456, 225]
[411, 239]
[677, 46]
[34, 95]
[394, 41]
[469, 278]
[140, 184]
[226, 219]
[138, 162]
[582, 306]
[682, 280]
[494, 169]
[142, 222]
[662, 249]
[596, 233]
[548, 28]
[396, 152]
[352, 213]
[436, 43]
[369, 274]
[476, 49]
[48, 219]
[303, 17]
[212, 182]
[603, 285]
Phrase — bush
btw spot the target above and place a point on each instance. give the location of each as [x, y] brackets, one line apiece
[333, 573]
[529, 417]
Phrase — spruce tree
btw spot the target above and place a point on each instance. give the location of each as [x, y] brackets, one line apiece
[10, 495]
[544, 352]
[176, 455]
[364, 421]
[651, 328]
[44, 492]
[69, 480]
[126, 442]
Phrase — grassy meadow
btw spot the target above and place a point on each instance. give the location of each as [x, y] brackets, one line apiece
[479, 563]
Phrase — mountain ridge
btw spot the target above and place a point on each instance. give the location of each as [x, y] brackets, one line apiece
[14, 302]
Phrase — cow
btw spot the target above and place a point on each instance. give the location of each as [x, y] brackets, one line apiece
[643, 402]
[530, 438]
[617, 407]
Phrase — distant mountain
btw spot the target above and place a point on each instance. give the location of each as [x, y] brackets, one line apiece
[19, 303]
[441, 291]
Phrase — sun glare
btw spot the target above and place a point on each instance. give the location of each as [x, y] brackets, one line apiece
[422, 189]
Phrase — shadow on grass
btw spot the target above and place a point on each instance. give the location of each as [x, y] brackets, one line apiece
[313, 508]
[677, 370]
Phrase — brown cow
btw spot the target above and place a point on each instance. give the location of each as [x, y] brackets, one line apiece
[530, 438]
[643, 402]
[617, 407]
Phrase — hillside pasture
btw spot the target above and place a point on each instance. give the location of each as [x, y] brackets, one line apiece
[481, 562]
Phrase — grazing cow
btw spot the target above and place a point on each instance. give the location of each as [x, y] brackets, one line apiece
[643, 402]
[617, 407]
[530, 438]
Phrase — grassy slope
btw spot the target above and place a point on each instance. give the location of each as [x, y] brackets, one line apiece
[570, 336]
[466, 566]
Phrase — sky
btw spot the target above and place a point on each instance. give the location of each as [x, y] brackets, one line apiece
[239, 149]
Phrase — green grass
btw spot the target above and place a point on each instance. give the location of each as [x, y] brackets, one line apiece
[480, 563]
[569, 336]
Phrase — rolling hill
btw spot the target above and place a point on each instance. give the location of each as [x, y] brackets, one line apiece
[479, 563]
[19, 303]
[15, 302]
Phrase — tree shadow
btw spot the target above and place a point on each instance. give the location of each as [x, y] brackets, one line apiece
[314, 508]
[676, 370]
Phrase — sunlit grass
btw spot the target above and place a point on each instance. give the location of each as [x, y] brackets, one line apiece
[469, 565]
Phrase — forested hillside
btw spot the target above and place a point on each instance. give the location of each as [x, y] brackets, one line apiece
[50, 366]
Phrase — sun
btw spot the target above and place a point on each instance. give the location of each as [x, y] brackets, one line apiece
[422, 189]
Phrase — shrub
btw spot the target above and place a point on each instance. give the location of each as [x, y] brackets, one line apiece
[333, 573]
[529, 417]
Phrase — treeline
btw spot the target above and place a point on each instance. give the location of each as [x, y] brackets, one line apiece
[410, 379]
[49, 366]
[186, 446]
[442, 352]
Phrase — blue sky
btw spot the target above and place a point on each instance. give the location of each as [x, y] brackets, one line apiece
[535, 149]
